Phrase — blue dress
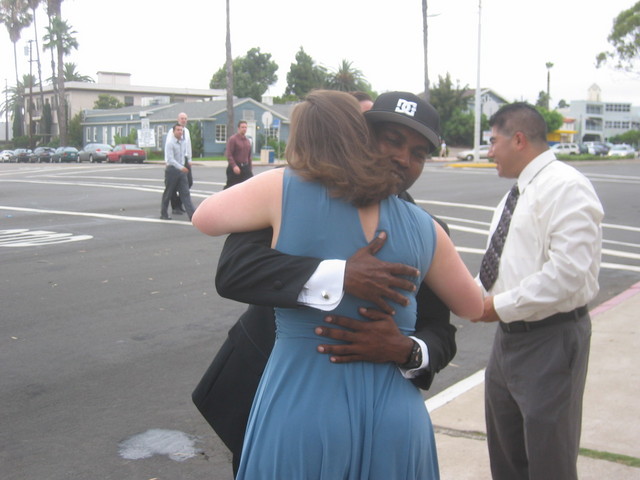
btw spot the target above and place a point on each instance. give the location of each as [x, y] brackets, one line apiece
[312, 419]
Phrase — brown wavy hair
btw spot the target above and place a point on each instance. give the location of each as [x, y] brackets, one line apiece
[331, 143]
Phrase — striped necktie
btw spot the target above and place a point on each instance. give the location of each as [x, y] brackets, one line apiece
[491, 259]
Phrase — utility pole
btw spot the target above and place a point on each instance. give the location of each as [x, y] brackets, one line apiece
[427, 93]
[549, 66]
[30, 94]
[478, 109]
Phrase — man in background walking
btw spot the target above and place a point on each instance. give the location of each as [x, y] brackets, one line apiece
[239, 156]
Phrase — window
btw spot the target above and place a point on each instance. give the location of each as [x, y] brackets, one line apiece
[594, 109]
[221, 133]
[128, 100]
[272, 132]
[618, 107]
[249, 115]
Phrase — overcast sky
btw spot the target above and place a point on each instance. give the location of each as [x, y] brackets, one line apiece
[181, 44]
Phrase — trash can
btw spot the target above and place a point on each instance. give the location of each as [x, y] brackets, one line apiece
[267, 155]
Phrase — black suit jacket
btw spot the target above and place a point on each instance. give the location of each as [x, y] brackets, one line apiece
[251, 272]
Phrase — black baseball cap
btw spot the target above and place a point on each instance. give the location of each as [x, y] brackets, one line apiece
[407, 109]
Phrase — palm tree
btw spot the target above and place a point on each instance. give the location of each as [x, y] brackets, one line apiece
[347, 78]
[15, 16]
[229, 67]
[62, 38]
[72, 75]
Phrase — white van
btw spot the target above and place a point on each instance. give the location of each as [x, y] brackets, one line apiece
[566, 148]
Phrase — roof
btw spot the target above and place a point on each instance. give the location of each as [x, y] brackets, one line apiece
[194, 110]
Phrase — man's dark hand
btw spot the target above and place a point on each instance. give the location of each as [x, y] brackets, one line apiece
[378, 341]
[369, 278]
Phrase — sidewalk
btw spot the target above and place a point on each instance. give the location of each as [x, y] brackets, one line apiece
[611, 415]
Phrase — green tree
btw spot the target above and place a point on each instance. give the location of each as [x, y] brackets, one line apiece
[75, 131]
[625, 39]
[60, 37]
[543, 99]
[197, 142]
[632, 137]
[46, 122]
[131, 138]
[18, 121]
[107, 102]
[304, 75]
[451, 102]
[72, 75]
[347, 78]
[553, 119]
[459, 128]
[252, 75]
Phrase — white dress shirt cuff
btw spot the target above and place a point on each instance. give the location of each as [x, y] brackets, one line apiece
[324, 289]
[425, 361]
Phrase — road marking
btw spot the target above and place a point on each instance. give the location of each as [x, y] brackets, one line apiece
[454, 391]
[32, 238]
[97, 215]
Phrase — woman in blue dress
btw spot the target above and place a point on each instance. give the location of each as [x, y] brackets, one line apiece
[312, 419]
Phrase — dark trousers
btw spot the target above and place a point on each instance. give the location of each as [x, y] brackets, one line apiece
[534, 385]
[233, 179]
[176, 203]
[176, 181]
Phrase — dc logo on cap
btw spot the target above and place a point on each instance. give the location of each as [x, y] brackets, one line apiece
[406, 107]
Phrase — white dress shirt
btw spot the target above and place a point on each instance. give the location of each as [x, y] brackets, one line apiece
[551, 257]
[186, 137]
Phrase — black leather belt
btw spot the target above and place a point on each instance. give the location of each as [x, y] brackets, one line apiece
[522, 326]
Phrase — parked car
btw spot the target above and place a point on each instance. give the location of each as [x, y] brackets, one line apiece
[6, 155]
[42, 154]
[468, 155]
[621, 150]
[65, 154]
[94, 152]
[565, 148]
[21, 155]
[126, 153]
[596, 148]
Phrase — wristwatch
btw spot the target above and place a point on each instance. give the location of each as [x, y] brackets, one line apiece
[415, 357]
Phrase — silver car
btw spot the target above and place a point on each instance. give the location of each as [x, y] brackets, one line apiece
[468, 155]
[94, 152]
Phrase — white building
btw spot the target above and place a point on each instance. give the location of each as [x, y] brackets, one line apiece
[596, 120]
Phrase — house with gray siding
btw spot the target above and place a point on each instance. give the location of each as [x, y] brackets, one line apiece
[263, 121]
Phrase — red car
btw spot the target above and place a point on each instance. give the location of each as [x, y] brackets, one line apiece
[126, 154]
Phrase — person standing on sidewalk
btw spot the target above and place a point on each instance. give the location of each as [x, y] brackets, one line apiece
[175, 174]
[539, 272]
[239, 156]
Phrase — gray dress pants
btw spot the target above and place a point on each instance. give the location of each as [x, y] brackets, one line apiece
[534, 385]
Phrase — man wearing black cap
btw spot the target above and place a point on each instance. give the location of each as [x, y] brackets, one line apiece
[249, 271]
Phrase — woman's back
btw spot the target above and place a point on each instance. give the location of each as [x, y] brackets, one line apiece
[315, 419]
